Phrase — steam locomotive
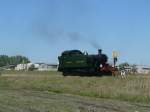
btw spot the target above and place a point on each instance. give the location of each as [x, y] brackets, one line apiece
[75, 61]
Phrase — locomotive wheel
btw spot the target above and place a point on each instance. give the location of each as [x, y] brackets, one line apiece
[65, 73]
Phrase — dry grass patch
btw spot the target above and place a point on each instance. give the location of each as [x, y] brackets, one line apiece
[133, 88]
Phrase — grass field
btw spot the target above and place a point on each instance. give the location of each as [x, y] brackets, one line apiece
[134, 89]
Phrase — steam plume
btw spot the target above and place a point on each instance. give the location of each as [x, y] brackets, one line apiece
[43, 30]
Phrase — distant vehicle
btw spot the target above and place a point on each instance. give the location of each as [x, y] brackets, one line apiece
[74, 61]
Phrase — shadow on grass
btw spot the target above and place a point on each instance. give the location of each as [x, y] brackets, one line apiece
[86, 74]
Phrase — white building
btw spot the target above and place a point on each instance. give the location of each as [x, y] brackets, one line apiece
[143, 69]
[47, 67]
[23, 66]
[128, 69]
[37, 66]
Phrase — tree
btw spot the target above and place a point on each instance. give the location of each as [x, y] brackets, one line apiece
[13, 60]
[31, 68]
[4, 60]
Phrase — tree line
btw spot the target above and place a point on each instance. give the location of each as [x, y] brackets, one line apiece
[12, 60]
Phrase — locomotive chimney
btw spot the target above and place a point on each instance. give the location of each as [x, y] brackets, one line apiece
[99, 51]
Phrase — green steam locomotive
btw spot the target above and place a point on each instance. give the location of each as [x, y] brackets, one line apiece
[75, 61]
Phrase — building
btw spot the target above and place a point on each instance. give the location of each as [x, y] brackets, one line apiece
[23, 66]
[143, 69]
[37, 66]
[47, 67]
[128, 69]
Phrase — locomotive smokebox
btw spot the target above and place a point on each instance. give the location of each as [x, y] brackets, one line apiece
[99, 51]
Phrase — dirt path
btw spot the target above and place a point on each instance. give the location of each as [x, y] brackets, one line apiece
[35, 101]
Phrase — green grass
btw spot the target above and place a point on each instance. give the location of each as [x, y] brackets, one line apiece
[29, 72]
[133, 88]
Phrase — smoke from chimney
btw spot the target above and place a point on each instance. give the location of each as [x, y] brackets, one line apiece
[45, 32]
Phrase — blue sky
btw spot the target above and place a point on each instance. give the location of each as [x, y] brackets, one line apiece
[42, 29]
